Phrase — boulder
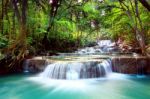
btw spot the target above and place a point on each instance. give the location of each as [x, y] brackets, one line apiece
[34, 65]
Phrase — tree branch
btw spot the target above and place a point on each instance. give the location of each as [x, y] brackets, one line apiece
[145, 4]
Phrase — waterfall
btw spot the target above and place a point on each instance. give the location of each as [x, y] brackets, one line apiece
[77, 70]
[56, 70]
[103, 43]
[103, 46]
[107, 46]
[107, 65]
[26, 66]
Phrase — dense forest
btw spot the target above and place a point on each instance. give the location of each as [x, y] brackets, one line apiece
[36, 27]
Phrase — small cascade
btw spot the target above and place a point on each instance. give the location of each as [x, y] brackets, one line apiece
[26, 66]
[140, 64]
[77, 70]
[103, 46]
[103, 43]
[107, 65]
[88, 50]
[56, 70]
[107, 46]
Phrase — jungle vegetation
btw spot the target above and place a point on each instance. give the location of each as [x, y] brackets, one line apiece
[32, 27]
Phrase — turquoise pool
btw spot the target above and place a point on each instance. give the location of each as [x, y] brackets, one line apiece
[34, 87]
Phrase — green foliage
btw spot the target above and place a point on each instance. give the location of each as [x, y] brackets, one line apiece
[116, 23]
[72, 23]
[3, 42]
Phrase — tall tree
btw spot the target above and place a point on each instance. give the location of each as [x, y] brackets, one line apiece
[138, 27]
[145, 4]
[55, 4]
[2, 16]
[19, 46]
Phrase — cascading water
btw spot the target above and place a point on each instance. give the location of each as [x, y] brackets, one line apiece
[26, 66]
[103, 43]
[77, 70]
[83, 69]
[103, 46]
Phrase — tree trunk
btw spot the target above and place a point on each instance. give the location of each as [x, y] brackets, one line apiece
[139, 29]
[19, 47]
[145, 4]
[2, 17]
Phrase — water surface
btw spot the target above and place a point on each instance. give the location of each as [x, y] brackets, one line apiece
[115, 87]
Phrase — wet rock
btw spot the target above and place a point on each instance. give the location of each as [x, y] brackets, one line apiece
[131, 65]
[148, 66]
[34, 65]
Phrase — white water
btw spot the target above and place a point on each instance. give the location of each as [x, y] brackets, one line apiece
[103, 43]
[77, 70]
[26, 66]
[103, 46]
